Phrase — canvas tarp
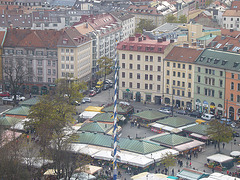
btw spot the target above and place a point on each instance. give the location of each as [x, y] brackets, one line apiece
[189, 145]
[88, 114]
[219, 158]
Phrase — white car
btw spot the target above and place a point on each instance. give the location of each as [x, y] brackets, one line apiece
[18, 98]
[207, 117]
[86, 99]
[166, 111]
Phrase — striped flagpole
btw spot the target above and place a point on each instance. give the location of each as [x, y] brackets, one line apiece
[115, 119]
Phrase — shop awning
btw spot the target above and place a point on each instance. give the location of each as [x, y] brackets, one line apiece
[188, 146]
[219, 158]
[199, 136]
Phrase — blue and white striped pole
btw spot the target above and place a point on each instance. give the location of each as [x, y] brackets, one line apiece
[115, 119]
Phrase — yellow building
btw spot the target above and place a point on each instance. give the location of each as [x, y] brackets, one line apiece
[74, 55]
[179, 76]
[141, 68]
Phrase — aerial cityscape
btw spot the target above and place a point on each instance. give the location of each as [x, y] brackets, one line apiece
[119, 90]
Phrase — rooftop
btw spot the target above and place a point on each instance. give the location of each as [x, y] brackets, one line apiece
[19, 111]
[150, 115]
[231, 13]
[198, 128]
[175, 122]
[96, 127]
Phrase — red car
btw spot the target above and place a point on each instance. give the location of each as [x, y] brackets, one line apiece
[4, 94]
[92, 93]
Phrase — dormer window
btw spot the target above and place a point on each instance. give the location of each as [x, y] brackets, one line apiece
[159, 49]
[131, 47]
[235, 64]
[216, 61]
[65, 41]
[202, 58]
[124, 46]
[224, 62]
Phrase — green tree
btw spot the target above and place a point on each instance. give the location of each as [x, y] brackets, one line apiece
[219, 132]
[182, 19]
[168, 160]
[171, 19]
[105, 65]
[145, 24]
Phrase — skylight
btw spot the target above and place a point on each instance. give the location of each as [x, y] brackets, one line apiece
[235, 49]
[218, 45]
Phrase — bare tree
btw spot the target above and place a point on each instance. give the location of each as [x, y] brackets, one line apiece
[16, 73]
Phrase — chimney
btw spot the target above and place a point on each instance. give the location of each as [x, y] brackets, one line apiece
[139, 39]
[131, 38]
[223, 37]
[171, 40]
[186, 45]
[164, 38]
[11, 26]
[225, 48]
[159, 40]
[231, 30]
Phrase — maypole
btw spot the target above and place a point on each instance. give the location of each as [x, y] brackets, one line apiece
[115, 119]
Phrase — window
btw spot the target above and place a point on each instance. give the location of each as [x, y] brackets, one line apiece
[183, 75]
[183, 66]
[178, 74]
[221, 83]
[168, 64]
[146, 76]
[63, 58]
[53, 63]
[174, 73]
[138, 66]
[178, 92]
[130, 84]
[151, 58]
[159, 78]
[49, 80]
[213, 72]
[150, 86]
[167, 90]
[168, 72]
[232, 85]
[220, 94]
[39, 53]
[238, 87]
[40, 71]
[130, 75]
[138, 85]
[232, 75]
[173, 91]
[39, 62]
[146, 86]
[67, 66]
[179, 65]
[123, 65]
[189, 85]
[123, 84]
[159, 68]
[231, 19]
[123, 74]
[49, 63]
[183, 93]
[130, 66]
[238, 98]
[71, 50]
[40, 79]
[174, 82]
[199, 78]
[123, 56]
[146, 67]
[231, 97]
[159, 58]
[238, 76]
[150, 77]
[54, 71]
[72, 66]
[138, 75]
[183, 84]
[146, 58]
[174, 65]
[138, 57]
[167, 81]
[178, 83]
[130, 56]
[221, 73]
[158, 87]
[67, 50]
[206, 71]
[199, 69]
[198, 90]
[72, 58]
[213, 93]
[189, 76]
[151, 68]
[67, 58]
[49, 71]
[63, 74]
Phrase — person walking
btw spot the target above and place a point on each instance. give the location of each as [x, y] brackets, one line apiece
[223, 145]
[186, 163]
[172, 172]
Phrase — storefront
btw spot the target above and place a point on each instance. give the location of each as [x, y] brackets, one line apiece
[212, 108]
[205, 107]
[198, 105]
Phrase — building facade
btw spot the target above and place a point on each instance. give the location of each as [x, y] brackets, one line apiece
[216, 83]
[75, 55]
[179, 77]
[37, 50]
[141, 68]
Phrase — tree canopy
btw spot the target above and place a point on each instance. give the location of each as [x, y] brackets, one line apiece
[168, 160]
[105, 65]
[173, 19]
[145, 24]
[219, 132]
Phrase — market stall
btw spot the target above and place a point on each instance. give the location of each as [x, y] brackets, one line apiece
[219, 162]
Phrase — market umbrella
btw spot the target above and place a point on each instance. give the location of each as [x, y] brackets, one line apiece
[235, 153]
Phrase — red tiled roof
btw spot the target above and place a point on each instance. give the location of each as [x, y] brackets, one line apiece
[183, 54]
[231, 13]
[33, 38]
[228, 32]
[132, 45]
[141, 9]
[235, 5]
[228, 42]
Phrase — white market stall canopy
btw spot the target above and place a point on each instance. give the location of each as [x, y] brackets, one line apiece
[140, 161]
[88, 114]
[235, 153]
[157, 156]
[219, 176]
[189, 145]
[219, 158]
[169, 128]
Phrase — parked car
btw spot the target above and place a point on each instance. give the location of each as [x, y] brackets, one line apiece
[92, 93]
[105, 86]
[235, 134]
[4, 94]
[166, 111]
[227, 122]
[76, 103]
[181, 111]
[196, 114]
[10, 99]
[86, 99]
[208, 117]
[110, 83]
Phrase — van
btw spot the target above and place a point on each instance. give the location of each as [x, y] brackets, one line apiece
[200, 121]
[208, 117]
[99, 85]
